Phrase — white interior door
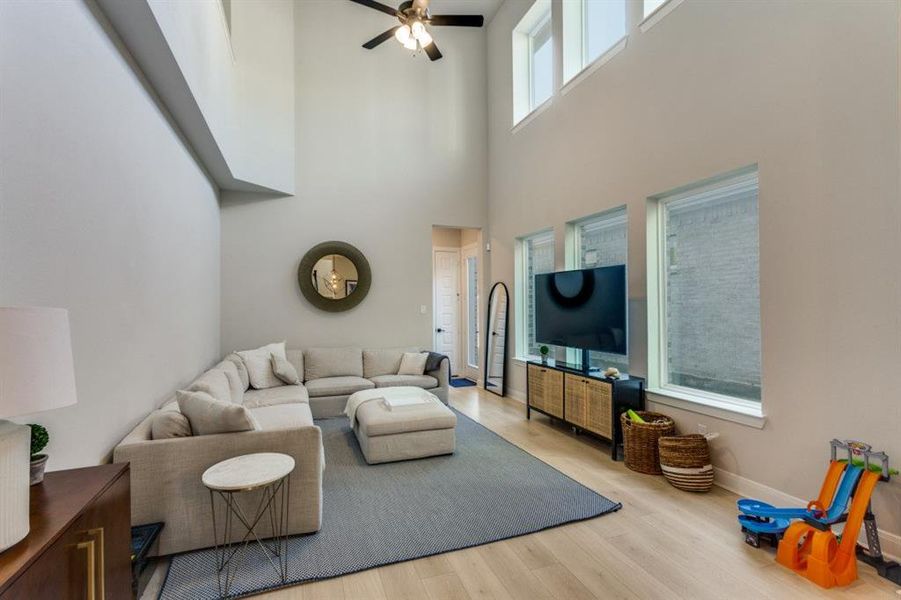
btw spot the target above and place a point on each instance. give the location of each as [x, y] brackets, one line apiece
[447, 305]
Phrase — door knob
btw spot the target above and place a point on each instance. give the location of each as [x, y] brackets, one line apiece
[439, 330]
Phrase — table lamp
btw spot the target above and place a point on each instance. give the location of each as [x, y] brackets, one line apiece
[36, 374]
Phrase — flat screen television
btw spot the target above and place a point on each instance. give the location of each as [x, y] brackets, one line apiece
[583, 309]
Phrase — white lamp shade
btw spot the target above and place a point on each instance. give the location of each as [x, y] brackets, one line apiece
[36, 368]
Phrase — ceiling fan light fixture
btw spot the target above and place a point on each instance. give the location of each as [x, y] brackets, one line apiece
[402, 35]
[418, 29]
[424, 39]
[411, 44]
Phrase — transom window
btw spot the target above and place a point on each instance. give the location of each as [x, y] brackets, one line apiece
[591, 29]
[533, 60]
[704, 298]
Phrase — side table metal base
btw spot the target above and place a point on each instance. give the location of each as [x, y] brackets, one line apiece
[273, 506]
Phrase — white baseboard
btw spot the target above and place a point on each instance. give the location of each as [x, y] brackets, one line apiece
[746, 488]
[517, 395]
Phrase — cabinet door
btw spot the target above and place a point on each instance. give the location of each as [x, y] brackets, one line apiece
[600, 409]
[576, 400]
[65, 570]
[553, 385]
[537, 387]
[107, 522]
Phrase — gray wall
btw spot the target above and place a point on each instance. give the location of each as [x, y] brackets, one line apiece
[106, 213]
[809, 91]
[387, 146]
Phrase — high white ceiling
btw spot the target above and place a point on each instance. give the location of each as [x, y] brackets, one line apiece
[460, 7]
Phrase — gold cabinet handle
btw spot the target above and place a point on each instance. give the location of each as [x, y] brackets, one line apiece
[91, 568]
[101, 569]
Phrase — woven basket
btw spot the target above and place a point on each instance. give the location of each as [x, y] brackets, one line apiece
[685, 461]
[640, 441]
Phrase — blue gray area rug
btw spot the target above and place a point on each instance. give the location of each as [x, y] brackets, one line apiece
[375, 515]
[461, 382]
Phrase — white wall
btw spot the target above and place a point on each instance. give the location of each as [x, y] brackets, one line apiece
[231, 90]
[810, 92]
[387, 146]
[105, 212]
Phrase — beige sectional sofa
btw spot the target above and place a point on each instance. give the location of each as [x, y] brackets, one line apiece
[166, 473]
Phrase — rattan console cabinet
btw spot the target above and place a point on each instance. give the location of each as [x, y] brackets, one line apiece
[590, 402]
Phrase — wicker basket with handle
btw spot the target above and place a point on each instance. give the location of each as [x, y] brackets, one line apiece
[685, 461]
[640, 440]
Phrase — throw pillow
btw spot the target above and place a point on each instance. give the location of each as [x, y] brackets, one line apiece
[242, 370]
[284, 370]
[169, 424]
[259, 365]
[412, 363]
[207, 415]
[215, 383]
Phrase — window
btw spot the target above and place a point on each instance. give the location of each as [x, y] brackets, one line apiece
[533, 60]
[535, 256]
[591, 28]
[472, 311]
[655, 10]
[599, 241]
[704, 296]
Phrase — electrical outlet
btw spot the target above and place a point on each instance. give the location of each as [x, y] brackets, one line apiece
[702, 429]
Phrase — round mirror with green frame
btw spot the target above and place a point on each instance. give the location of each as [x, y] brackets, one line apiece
[334, 276]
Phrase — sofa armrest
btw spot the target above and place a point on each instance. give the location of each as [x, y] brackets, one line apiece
[166, 480]
[442, 373]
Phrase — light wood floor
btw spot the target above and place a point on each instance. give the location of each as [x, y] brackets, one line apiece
[663, 543]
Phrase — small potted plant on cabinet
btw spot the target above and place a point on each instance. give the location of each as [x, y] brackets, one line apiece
[544, 350]
[39, 440]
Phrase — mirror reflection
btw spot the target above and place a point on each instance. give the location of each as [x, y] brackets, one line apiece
[334, 277]
[496, 346]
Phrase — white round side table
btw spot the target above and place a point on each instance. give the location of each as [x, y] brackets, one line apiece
[269, 475]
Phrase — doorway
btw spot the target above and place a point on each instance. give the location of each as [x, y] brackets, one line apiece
[456, 294]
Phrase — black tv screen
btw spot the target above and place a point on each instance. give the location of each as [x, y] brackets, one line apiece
[583, 309]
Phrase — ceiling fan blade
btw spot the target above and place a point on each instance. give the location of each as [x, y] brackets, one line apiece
[382, 37]
[457, 20]
[377, 6]
[432, 51]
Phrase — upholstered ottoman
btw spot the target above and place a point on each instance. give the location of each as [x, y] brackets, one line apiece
[403, 433]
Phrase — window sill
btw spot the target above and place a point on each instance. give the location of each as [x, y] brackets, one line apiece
[656, 16]
[712, 407]
[595, 64]
[531, 116]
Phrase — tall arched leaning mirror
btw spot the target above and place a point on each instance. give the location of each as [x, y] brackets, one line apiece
[334, 276]
[496, 340]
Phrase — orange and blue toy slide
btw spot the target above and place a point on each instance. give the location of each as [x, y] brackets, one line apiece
[807, 544]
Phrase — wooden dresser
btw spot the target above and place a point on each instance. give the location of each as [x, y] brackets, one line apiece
[79, 546]
[589, 402]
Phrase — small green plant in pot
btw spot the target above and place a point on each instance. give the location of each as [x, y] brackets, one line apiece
[39, 440]
[544, 350]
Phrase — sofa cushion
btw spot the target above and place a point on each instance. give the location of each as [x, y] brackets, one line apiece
[215, 383]
[337, 386]
[285, 394]
[424, 381]
[167, 424]
[413, 363]
[383, 361]
[374, 418]
[242, 370]
[208, 415]
[259, 365]
[295, 357]
[234, 379]
[319, 363]
[282, 416]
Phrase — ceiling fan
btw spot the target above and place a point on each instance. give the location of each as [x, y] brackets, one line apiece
[415, 18]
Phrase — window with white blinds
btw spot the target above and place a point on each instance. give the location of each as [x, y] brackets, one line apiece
[537, 256]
